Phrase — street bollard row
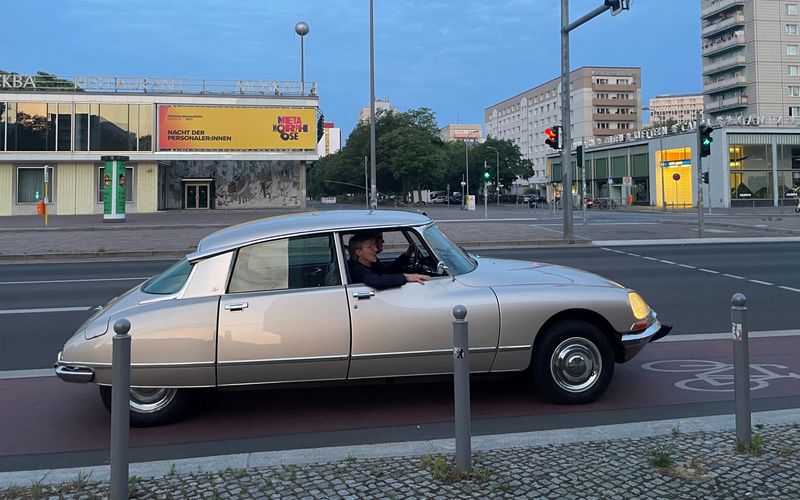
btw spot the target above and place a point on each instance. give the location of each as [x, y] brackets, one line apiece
[461, 389]
[120, 412]
[741, 368]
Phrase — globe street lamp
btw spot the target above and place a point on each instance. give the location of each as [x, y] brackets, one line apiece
[301, 28]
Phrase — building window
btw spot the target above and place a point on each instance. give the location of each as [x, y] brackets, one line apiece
[791, 29]
[623, 125]
[101, 172]
[794, 110]
[791, 9]
[603, 125]
[794, 91]
[791, 50]
[30, 182]
[794, 70]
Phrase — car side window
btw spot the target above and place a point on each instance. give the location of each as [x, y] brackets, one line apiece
[285, 264]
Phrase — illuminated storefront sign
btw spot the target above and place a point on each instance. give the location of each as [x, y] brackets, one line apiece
[205, 128]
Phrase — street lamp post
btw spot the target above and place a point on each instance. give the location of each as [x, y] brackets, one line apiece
[497, 180]
[373, 198]
[301, 28]
[466, 165]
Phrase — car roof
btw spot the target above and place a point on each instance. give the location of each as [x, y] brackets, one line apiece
[304, 223]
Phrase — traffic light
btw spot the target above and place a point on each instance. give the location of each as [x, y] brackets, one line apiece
[553, 137]
[487, 176]
[705, 177]
[579, 156]
[705, 139]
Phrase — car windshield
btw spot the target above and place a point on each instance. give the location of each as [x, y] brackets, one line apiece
[170, 281]
[457, 260]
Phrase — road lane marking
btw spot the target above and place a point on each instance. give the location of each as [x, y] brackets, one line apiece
[710, 271]
[88, 280]
[733, 276]
[45, 310]
[14, 374]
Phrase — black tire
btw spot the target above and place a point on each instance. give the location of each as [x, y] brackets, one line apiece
[592, 364]
[152, 407]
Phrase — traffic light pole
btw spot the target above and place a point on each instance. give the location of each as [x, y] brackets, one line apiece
[566, 129]
[698, 121]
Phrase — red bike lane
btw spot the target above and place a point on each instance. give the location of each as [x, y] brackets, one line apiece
[43, 416]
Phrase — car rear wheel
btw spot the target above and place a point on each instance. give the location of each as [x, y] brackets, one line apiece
[152, 406]
[573, 362]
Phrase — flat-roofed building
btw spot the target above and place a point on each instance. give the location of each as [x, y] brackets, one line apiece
[190, 144]
[675, 108]
[605, 101]
[331, 140]
[461, 132]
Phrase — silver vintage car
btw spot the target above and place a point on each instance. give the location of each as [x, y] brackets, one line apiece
[272, 301]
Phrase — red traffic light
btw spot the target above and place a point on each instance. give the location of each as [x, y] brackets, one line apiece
[553, 139]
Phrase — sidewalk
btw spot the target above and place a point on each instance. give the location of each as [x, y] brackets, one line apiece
[172, 234]
[671, 459]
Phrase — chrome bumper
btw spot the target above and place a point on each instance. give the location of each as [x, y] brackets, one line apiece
[632, 343]
[75, 374]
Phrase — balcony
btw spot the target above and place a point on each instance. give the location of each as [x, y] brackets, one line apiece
[614, 117]
[719, 6]
[726, 104]
[733, 41]
[725, 84]
[615, 102]
[612, 87]
[724, 24]
[725, 64]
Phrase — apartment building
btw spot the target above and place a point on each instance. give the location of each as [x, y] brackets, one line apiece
[380, 105]
[751, 57]
[675, 108]
[331, 140]
[461, 132]
[604, 101]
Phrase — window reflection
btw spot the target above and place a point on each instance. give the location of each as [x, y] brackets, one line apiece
[81, 127]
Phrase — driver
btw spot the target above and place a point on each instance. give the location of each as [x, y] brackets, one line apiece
[364, 266]
[398, 264]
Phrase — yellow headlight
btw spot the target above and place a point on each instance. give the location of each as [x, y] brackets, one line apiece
[639, 307]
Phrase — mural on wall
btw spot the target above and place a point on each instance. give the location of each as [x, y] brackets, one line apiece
[239, 184]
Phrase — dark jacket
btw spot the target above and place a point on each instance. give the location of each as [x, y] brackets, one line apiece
[374, 276]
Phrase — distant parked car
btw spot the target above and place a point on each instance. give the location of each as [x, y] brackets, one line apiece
[537, 201]
[439, 199]
[272, 301]
[456, 200]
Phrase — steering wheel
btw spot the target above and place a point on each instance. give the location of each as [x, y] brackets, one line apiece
[418, 263]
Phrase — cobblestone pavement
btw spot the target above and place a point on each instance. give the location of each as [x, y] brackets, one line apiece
[679, 466]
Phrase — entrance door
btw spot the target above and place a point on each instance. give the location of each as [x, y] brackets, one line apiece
[195, 195]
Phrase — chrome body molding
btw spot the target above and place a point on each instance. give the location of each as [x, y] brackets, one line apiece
[75, 374]
[511, 348]
[243, 362]
[435, 352]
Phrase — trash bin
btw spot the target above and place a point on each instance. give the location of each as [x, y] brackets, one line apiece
[40, 207]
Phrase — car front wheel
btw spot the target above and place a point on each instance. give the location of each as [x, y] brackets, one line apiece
[573, 363]
[151, 406]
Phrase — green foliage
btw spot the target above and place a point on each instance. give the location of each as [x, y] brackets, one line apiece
[410, 156]
[755, 448]
[661, 457]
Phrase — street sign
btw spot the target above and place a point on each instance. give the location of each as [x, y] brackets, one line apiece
[627, 181]
[676, 177]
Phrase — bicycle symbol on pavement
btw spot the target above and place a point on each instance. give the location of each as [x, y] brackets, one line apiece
[715, 376]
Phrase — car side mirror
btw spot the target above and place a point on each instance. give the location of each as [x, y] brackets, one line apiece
[441, 268]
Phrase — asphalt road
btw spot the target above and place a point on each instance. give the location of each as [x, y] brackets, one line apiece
[689, 286]
[47, 423]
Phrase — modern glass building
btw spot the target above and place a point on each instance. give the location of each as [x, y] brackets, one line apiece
[191, 144]
[748, 166]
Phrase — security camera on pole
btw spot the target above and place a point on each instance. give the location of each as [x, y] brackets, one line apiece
[616, 6]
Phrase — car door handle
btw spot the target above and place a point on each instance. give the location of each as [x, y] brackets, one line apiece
[237, 306]
[363, 295]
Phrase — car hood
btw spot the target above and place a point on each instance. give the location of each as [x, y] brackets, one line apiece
[503, 272]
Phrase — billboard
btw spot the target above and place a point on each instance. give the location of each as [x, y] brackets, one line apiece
[206, 128]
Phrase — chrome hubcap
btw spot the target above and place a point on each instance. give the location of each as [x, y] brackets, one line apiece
[151, 400]
[576, 364]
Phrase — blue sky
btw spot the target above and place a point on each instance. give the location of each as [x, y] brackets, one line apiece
[455, 57]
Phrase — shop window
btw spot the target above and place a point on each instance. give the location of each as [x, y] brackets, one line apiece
[31, 128]
[30, 182]
[3, 107]
[129, 184]
[619, 166]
